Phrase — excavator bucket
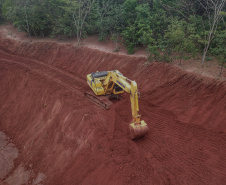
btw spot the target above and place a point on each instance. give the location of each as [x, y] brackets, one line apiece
[138, 130]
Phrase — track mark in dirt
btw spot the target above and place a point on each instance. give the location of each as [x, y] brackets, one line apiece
[44, 74]
[50, 72]
[28, 62]
[175, 148]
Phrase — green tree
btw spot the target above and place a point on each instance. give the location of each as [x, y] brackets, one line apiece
[213, 9]
[20, 13]
[28, 15]
[1, 11]
[159, 23]
[181, 37]
[103, 10]
[60, 16]
[138, 29]
[80, 11]
[219, 48]
[110, 20]
[129, 9]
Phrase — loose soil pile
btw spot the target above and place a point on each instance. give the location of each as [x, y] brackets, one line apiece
[63, 138]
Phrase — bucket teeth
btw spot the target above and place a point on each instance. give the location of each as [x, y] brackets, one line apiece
[138, 130]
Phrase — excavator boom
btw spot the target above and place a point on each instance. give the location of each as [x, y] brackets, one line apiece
[113, 83]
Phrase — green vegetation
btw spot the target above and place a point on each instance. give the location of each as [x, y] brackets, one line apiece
[1, 13]
[182, 27]
[219, 48]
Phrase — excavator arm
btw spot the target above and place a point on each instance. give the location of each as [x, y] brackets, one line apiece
[117, 78]
[138, 128]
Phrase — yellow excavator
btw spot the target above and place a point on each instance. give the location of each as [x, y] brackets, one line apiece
[111, 84]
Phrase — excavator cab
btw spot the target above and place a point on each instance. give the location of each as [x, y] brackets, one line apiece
[99, 74]
[111, 84]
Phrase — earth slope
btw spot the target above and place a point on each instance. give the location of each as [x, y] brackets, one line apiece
[57, 136]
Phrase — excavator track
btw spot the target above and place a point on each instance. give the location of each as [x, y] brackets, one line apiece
[102, 101]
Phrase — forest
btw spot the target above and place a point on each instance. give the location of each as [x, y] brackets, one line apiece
[187, 28]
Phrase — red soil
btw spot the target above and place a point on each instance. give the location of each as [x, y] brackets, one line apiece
[63, 138]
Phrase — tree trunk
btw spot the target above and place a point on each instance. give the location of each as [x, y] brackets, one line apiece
[116, 43]
[204, 53]
[79, 36]
[222, 67]
[210, 37]
[79, 16]
[78, 39]
[181, 54]
[213, 10]
[28, 28]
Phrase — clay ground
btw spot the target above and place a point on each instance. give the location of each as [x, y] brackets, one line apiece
[51, 134]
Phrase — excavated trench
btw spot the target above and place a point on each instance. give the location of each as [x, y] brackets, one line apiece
[51, 134]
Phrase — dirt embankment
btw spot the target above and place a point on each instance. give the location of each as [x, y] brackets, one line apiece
[63, 138]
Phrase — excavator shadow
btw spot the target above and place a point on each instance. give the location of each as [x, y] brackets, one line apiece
[105, 101]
